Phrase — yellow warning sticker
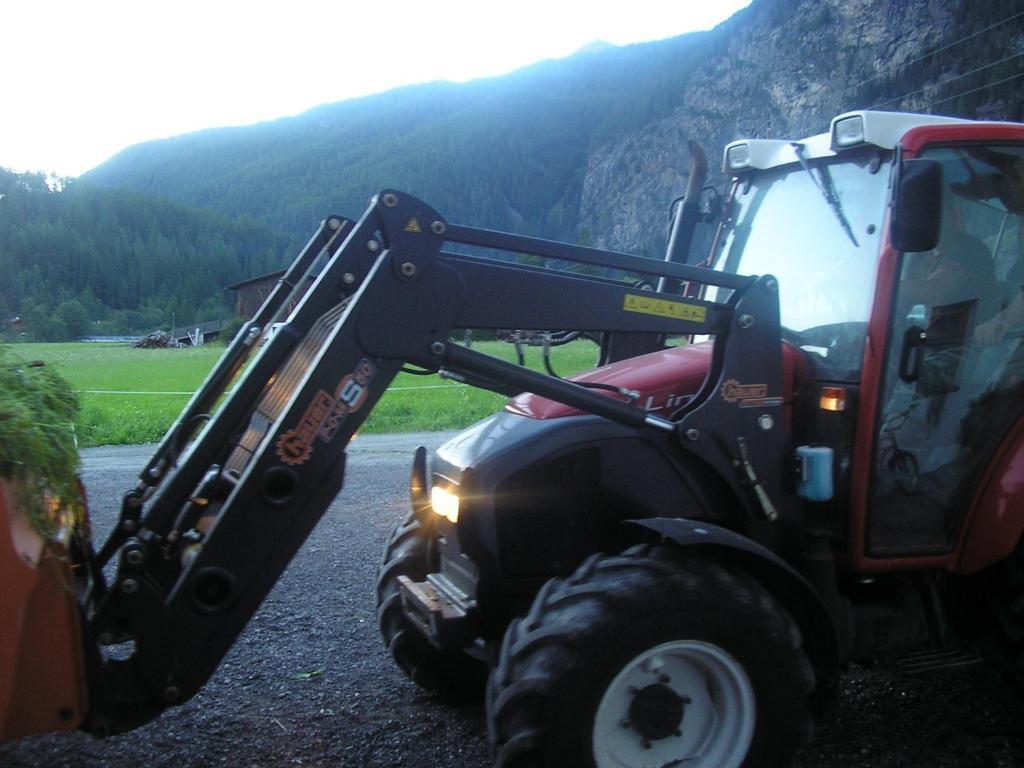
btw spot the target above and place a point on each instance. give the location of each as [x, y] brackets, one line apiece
[648, 305]
[413, 226]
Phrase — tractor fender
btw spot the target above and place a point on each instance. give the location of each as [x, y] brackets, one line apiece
[788, 586]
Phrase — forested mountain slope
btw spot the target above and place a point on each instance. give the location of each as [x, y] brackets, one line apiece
[589, 148]
[506, 151]
[77, 259]
[592, 147]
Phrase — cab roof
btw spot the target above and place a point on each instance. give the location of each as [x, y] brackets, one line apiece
[848, 130]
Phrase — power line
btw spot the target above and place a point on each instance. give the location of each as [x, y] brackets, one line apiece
[975, 90]
[944, 83]
[922, 57]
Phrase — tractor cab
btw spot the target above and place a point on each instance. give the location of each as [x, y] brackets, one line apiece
[912, 349]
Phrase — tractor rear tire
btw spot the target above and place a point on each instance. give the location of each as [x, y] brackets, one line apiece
[451, 675]
[652, 657]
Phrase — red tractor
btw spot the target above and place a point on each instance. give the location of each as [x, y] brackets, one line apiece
[811, 452]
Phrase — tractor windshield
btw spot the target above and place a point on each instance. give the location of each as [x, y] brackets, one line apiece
[816, 228]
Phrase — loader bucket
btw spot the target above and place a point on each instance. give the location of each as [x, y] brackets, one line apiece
[42, 677]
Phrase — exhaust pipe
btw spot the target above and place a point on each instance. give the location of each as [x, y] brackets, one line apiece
[684, 223]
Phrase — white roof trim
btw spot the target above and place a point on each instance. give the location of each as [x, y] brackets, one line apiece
[885, 129]
[881, 129]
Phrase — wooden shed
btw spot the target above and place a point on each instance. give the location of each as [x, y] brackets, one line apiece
[250, 294]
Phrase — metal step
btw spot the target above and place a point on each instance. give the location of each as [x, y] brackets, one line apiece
[924, 662]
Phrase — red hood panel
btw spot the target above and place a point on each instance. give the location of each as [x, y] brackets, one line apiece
[664, 379]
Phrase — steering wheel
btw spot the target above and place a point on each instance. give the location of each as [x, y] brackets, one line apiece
[843, 342]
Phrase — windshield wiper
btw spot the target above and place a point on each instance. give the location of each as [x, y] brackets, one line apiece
[828, 191]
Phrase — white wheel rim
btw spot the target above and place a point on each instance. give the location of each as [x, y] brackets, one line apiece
[713, 729]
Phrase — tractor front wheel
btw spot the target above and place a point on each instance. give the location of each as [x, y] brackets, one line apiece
[652, 657]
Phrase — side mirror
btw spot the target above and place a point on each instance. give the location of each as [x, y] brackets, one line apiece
[917, 206]
[710, 205]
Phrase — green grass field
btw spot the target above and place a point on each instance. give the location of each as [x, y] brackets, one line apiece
[133, 395]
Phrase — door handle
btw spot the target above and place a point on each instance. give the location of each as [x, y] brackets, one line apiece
[912, 353]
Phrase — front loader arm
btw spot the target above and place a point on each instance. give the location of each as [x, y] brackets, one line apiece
[212, 526]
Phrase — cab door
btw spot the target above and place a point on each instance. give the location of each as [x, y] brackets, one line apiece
[952, 381]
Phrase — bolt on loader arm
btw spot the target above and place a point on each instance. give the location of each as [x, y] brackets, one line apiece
[214, 522]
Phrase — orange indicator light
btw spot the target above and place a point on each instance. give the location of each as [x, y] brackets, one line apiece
[832, 399]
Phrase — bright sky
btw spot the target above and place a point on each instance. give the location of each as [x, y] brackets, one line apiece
[86, 78]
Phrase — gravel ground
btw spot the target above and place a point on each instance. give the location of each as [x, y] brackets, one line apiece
[309, 683]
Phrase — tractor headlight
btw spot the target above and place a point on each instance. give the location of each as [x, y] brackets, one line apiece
[445, 502]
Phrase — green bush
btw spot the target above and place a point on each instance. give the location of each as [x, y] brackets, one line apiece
[37, 444]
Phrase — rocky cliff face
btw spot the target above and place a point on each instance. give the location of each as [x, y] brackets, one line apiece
[784, 70]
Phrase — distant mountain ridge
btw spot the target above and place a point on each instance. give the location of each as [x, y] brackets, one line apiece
[505, 152]
[592, 147]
